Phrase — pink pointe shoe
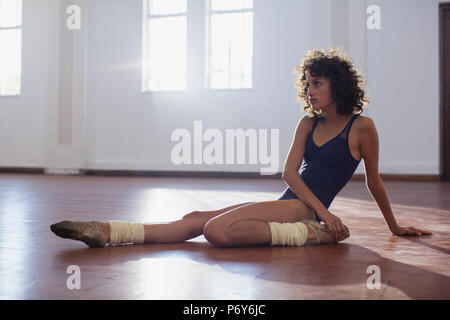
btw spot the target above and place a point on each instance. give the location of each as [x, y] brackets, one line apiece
[322, 230]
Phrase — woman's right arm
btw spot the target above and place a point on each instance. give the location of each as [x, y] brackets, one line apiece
[298, 186]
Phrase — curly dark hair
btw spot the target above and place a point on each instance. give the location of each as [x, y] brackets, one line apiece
[345, 81]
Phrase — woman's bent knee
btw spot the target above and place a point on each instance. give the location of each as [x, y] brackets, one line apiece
[214, 233]
[193, 214]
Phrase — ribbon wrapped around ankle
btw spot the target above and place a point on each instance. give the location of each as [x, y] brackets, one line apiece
[126, 232]
[288, 234]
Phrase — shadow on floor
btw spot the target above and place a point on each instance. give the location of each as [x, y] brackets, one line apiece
[327, 265]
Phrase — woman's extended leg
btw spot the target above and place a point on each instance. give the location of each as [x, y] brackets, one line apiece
[190, 226]
[97, 234]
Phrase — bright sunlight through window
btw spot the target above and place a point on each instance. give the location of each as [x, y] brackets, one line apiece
[164, 45]
[230, 47]
[10, 46]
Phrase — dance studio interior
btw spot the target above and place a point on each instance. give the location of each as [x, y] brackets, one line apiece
[157, 111]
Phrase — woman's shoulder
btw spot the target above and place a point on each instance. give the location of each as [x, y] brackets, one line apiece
[307, 122]
[364, 119]
[363, 122]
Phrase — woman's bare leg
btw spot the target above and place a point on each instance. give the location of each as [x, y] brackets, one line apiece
[248, 225]
[190, 226]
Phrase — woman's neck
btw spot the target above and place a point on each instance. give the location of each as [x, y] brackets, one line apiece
[332, 118]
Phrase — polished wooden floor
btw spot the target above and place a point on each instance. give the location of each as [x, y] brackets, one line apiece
[33, 261]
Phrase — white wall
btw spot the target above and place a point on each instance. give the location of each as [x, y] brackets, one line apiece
[403, 79]
[110, 124]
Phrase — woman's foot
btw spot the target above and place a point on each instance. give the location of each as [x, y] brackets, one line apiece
[319, 234]
[94, 234]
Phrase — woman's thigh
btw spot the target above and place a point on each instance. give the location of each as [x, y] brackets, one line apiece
[292, 210]
[208, 215]
[196, 220]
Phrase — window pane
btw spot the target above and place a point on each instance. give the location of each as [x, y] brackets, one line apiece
[232, 30]
[219, 70]
[166, 60]
[231, 4]
[10, 57]
[167, 6]
[231, 50]
[10, 13]
[240, 72]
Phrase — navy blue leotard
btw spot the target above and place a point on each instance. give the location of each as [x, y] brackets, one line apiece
[326, 169]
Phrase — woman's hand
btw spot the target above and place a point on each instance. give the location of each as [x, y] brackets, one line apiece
[333, 223]
[409, 231]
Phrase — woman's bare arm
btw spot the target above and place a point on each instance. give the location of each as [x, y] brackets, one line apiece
[369, 152]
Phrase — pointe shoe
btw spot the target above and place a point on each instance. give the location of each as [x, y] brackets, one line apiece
[88, 232]
[321, 229]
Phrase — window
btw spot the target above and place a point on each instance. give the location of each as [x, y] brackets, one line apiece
[164, 45]
[10, 46]
[230, 44]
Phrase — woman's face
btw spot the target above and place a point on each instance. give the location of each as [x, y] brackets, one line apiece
[318, 92]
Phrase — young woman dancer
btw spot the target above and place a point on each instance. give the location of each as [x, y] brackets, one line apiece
[332, 139]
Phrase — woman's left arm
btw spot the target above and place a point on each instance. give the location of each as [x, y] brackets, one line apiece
[379, 194]
[369, 147]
